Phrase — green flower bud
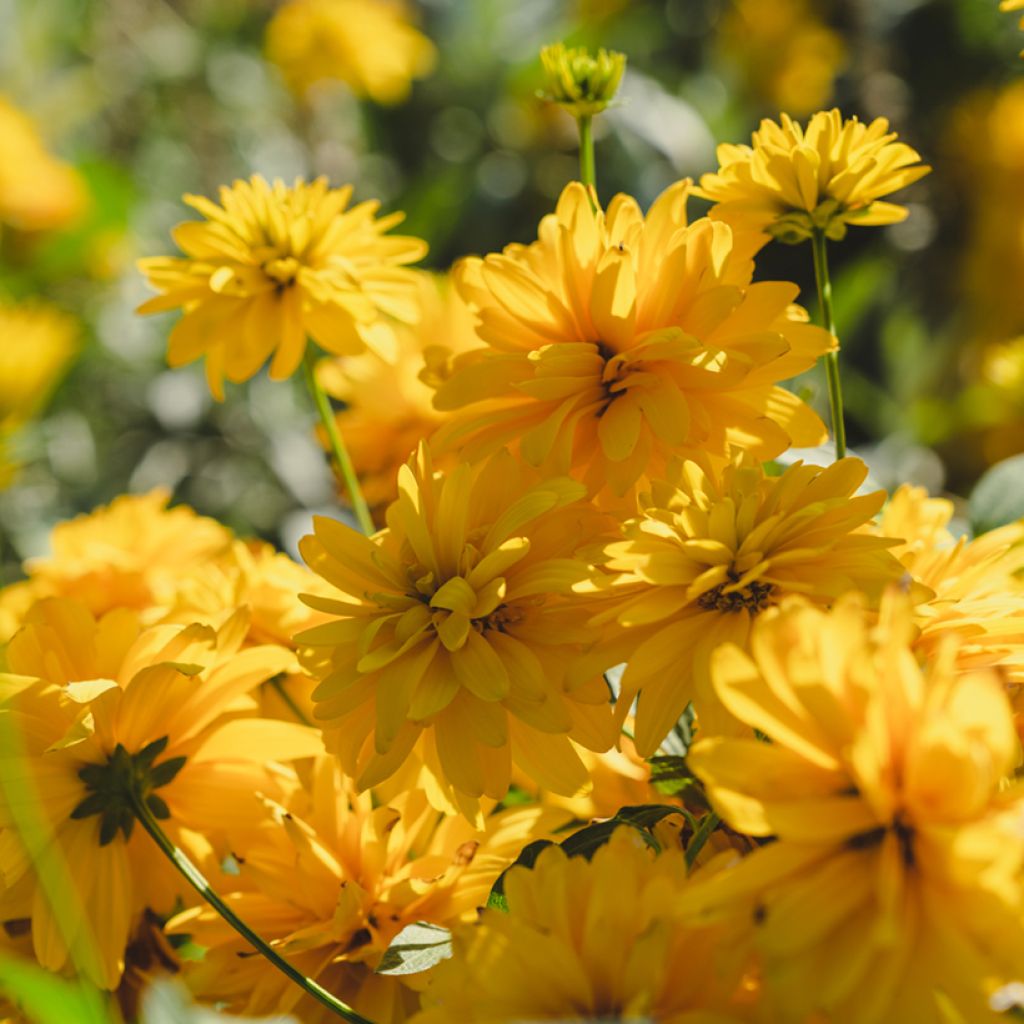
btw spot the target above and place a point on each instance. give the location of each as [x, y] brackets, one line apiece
[583, 84]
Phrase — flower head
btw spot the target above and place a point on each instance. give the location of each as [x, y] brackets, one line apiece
[794, 180]
[37, 191]
[617, 340]
[711, 552]
[108, 713]
[333, 879]
[273, 264]
[456, 624]
[370, 45]
[580, 82]
[894, 881]
[36, 345]
[584, 940]
[389, 407]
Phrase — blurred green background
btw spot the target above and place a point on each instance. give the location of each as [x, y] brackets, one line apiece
[149, 99]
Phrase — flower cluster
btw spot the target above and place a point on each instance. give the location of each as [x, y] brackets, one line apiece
[612, 709]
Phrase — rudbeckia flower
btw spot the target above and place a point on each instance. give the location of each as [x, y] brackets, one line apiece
[892, 890]
[333, 879]
[272, 265]
[389, 407]
[370, 45]
[796, 180]
[585, 940]
[100, 706]
[711, 552]
[133, 553]
[617, 340]
[457, 621]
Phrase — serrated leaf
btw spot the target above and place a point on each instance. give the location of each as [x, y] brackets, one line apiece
[998, 497]
[46, 998]
[416, 948]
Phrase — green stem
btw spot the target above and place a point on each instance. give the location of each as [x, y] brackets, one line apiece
[588, 174]
[197, 880]
[835, 388]
[338, 449]
[289, 702]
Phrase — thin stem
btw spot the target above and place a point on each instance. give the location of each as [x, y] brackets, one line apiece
[338, 449]
[197, 880]
[288, 701]
[835, 388]
[588, 174]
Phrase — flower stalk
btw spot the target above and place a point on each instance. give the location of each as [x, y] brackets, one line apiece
[198, 881]
[588, 172]
[338, 449]
[835, 388]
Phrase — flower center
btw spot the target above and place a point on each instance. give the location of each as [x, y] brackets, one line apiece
[752, 598]
[282, 269]
[114, 787]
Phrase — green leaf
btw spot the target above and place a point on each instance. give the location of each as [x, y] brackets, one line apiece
[527, 858]
[416, 948]
[998, 497]
[46, 998]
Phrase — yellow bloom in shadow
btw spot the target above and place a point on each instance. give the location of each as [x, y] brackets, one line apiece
[369, 45]
[37, 191]
[894, 879]
[273, 264]
[617, 340]
[456, 624]
[794, 180]
[93, 700]
[331, 881]
[708, 555]
[585, 940]
[389, 406]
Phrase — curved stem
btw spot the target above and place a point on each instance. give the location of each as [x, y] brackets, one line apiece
[835, 389]
[338, 449]
[588, 173]
[198, 881]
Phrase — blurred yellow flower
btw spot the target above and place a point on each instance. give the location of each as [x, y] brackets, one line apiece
[584, 940]
[37, 191]
[389, 408]
[894, 880]
[794, 180]
[710, 552]
[581, 83]
[274, 264]
[457, 622]
[787, 54]
[97, 702]
[616, 341]
[37, 343]
[370, 45]
[133, 553]
[333, 879]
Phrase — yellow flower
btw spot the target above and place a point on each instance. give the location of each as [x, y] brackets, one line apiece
[457, 622]
[367, 44]
[616, 341]
[894, 879]
[584, 940]
[709, 553]
[37, 192]
[274, 264]
[37, 343]
[795, 180]
[331, 883]
[389, 408]
[97, 702]
[581, 83]
[133, 553]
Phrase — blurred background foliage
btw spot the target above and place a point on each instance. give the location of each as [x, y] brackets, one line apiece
[143, 100]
